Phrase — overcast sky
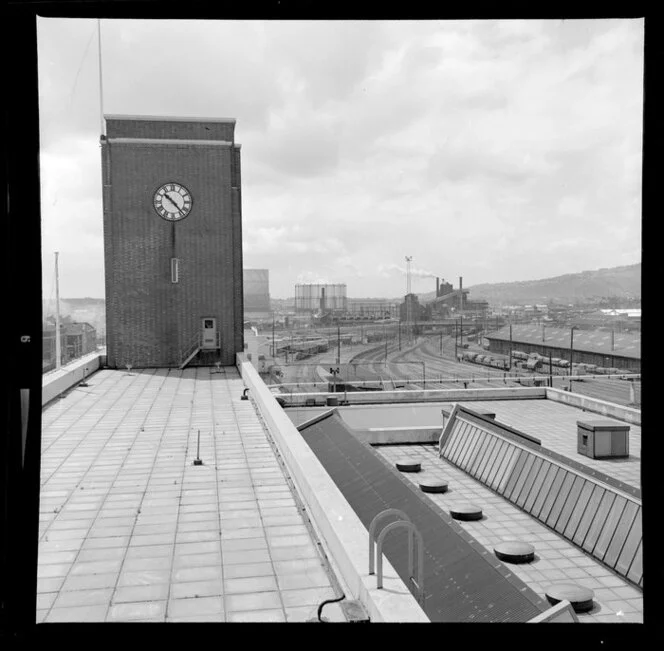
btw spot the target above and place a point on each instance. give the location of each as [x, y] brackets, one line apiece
[493, 150]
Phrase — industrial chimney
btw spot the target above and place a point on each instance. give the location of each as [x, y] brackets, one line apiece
[437, 287]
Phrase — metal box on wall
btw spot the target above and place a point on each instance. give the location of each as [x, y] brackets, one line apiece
[599, 439]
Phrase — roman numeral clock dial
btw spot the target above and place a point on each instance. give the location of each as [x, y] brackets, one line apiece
[172, 201]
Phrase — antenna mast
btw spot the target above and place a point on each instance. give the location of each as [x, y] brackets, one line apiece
[408, 261]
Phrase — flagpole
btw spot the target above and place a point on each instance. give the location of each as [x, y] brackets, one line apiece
[101, 83]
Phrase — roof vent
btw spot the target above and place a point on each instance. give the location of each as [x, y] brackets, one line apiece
[408, 465]
[466, 512]
[513, 551]
[432, 486]
[581, 598]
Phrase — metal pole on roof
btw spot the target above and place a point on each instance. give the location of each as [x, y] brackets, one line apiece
[58, 343]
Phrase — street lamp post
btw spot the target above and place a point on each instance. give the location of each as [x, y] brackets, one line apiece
[571, 355]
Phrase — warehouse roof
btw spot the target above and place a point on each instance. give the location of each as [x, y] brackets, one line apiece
[589, 341]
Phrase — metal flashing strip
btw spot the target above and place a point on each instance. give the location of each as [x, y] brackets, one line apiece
[317, 419]
[169, 142]
[593, 511]
[463, 581]
[505, 430]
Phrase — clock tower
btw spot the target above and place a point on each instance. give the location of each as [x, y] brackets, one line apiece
[172, 241]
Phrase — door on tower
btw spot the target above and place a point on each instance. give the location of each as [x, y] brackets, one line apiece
[209, 338]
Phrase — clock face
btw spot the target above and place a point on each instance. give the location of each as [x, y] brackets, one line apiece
[172, 201]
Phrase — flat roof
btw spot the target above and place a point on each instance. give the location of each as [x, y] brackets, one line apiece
[589, 341]
[553, 423]
[132, 530]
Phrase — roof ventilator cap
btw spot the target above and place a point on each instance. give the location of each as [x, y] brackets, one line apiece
[581, 598]
[466, 512]
[515, 552]
[433, 486]
[406, 465]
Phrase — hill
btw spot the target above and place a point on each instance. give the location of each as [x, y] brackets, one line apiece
[621, 283]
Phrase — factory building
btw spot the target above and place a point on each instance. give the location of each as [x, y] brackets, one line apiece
[600, 348]
[411, 310]
[76, 339]
[256, 293]
[320, 298]
[450, 301]
[172, 241]
[367, 308]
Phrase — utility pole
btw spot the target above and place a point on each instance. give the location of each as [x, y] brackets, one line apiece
[58, 343]
[399, 335]
[385, 338]
[338, 344]
[612, 340]
[274, 346]
[441, 343]
[456, 339]
[571, 355]
[510, 347]
[409, 259]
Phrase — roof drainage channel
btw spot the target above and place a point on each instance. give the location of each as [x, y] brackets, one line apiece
[463, 582]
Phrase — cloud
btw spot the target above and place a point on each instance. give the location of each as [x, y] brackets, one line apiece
[495, 150]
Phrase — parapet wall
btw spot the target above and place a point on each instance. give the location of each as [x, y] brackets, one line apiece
[345, 537]
[55, 383]
[595, 405]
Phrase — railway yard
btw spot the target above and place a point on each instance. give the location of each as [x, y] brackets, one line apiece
[418, 364]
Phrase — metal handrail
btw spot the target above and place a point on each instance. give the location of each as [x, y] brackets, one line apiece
[413, 532]
[372, 531]
[196, 342]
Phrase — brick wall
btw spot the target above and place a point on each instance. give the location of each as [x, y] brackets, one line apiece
[150, 320]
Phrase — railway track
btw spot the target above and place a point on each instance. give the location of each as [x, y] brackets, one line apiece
[420, 365]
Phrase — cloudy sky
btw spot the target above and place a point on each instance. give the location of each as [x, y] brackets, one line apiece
[493, 150]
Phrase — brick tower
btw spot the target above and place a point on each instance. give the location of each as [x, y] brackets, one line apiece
[172, 241]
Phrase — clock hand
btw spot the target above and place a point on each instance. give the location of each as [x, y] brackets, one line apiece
[173, 202]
